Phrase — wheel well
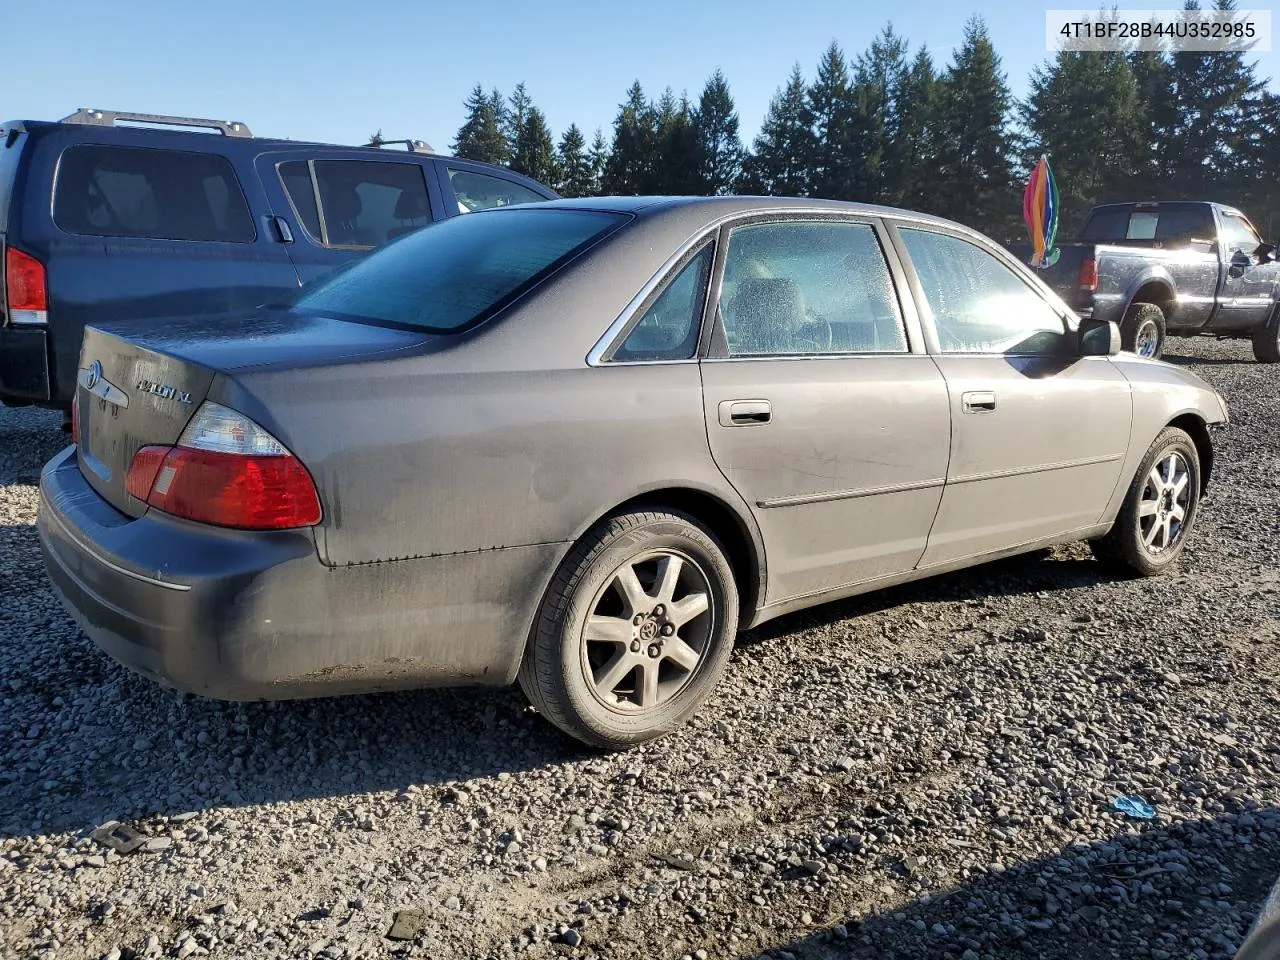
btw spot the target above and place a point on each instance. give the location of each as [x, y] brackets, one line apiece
[1154, 292]
[723, 522]
[1199, 433]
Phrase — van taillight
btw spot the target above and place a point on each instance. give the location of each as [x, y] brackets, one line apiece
[27, 294]
[75, 421]
[1089, 275]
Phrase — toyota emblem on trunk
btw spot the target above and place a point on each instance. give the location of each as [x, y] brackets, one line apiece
[95, 374]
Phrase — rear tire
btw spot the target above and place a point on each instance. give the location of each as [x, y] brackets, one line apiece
[1159, 509]
[635, 631]
[1143, 330]
[1266, 339]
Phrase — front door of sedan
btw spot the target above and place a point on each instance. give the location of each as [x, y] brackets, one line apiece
[1038, 433]
[829, 420]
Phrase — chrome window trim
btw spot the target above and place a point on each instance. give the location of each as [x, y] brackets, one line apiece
[595, 357]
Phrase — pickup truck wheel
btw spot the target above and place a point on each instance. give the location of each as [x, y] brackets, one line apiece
[1159, 509]
[635, 631]
[1266, 340]
[1143, 330]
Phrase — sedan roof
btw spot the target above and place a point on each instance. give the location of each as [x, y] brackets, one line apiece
[711, 209]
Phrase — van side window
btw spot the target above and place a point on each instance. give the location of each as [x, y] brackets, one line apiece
[105, 191]
[362, 203]
[476, 191]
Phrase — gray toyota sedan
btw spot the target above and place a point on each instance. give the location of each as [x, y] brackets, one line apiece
[581, 444]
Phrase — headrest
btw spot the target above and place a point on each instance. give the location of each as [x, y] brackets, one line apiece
[412, 205]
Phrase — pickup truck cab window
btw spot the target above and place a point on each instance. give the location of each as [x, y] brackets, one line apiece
[1237, 235]
[1168, 226]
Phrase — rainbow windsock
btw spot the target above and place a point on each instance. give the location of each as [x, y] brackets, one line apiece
[1040, 210]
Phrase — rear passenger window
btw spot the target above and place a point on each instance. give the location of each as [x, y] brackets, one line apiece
[476, 191]
[669, 328]
[362, 203]
[809, 287]
[105, 191]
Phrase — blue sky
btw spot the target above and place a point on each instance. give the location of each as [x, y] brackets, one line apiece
[336, 71]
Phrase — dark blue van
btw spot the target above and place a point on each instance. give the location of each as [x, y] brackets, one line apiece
[111, 216]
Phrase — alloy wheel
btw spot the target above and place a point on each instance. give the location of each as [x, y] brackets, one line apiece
[1166, 498]
[648, 631]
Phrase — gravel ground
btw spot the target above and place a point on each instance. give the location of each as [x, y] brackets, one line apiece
[926, 772]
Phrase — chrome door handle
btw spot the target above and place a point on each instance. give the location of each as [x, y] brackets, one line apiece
[744, 413]
[978, 401]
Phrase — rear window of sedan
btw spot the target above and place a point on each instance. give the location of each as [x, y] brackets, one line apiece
[453, 275]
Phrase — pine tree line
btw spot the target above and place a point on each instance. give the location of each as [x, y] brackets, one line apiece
[889, 126]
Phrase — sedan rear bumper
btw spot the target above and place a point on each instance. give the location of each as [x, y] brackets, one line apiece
[256, 616]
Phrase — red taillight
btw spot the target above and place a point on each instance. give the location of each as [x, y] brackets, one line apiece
[27, 295]
[143, 470]
[1089, 274]
[246, 491]
[227, 471]
[75, 421]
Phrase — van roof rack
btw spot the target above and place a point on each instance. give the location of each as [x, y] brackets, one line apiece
[109, 118]
[413, 146]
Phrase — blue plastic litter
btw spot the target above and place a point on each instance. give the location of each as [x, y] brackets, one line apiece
[1134, 807]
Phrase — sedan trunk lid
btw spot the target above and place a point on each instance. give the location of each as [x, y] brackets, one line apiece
[140, 383]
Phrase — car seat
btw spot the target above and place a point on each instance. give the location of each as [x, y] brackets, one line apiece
[765, 315]
[411, 206]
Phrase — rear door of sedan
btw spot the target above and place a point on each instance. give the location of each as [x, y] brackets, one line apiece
[1038, 432]
[823, 408]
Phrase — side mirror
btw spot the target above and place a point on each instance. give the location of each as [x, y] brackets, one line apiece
[1240, 262]
[1099, 338]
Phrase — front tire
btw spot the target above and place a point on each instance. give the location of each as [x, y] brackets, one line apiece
[1266, 339]
[1159, 509]
[635, 631]
[1143, 330]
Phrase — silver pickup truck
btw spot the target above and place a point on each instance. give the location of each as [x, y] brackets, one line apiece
[1179, 268]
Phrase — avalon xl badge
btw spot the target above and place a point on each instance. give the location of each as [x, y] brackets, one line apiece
[163, 391]
[92, 380]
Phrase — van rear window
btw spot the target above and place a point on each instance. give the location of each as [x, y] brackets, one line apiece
[106, 191]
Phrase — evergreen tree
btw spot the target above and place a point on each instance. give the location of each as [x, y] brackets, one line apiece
[598, 157]
[829, 116]
[877, 77]
[631, 162]
[776, 166]
[1084, 112]
[677, 170]
[481, 136]
[1216, 95]
[974, 169]
[910, 178]
[534, 153]
[1153, 78]
[513, 119]
[719, 147]
[575, 167]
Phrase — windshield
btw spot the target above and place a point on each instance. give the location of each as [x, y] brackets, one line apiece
[455, 274]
